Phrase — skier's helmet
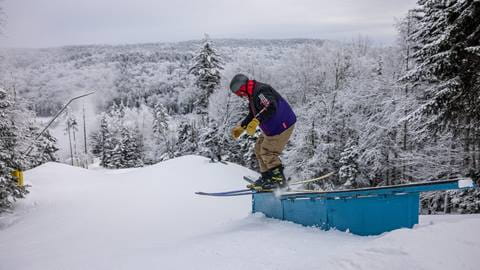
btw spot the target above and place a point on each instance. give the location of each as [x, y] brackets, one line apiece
[237, 82]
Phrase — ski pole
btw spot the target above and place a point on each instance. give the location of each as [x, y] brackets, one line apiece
[261, 111]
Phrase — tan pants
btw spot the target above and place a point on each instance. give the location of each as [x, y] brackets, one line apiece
[269, 148]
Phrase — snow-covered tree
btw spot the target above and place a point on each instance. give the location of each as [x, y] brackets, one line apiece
[110, 138]
[206, 68]
[444, 76]
[107, 144]
[188, 138]
[448, 63]
[452, 201]
[96, 141]
[211, 142]
[160, 121]
[9, 158]
[132, 148]
[306, 157]
[161, 134]
[118, 144]
[45, 148]
[349, 171]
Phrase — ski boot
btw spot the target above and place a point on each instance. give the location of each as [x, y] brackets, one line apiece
[276, 180]
[260, 181]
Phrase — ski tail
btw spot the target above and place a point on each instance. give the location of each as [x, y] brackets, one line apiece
[224, 192]
[239, 192]
[312, 180]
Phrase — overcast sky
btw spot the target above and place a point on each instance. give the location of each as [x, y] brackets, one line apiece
[47, 23]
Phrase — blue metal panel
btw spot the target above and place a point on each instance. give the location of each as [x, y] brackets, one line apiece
[268, 204]
[373, 215]
[306, 211]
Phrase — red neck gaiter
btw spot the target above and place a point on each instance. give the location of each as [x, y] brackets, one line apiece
[247, 89]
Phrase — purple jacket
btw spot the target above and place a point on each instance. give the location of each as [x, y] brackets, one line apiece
[271, 109]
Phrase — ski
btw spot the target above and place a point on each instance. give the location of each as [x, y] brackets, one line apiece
[233, 192]
[248, 179]
[226, 194]
[248, 191]
[311, 180]
[218, 161]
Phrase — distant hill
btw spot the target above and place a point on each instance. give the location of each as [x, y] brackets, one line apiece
[48, 77]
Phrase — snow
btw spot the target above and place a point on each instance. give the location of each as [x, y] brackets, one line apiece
[149, 218]
[465, 183]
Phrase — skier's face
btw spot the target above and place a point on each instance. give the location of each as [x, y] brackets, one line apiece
[242, 91]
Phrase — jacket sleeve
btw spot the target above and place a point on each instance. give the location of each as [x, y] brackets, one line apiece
[267, 102]
[247, 119]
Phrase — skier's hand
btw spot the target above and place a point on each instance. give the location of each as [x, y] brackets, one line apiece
[237, 131]
[252, 126]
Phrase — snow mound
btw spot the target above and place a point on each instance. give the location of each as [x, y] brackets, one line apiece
[149, 218]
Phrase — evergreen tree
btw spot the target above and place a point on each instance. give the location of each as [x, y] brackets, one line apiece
[160, 121]
[247, 153]
[9, 190]
[113, 142]
[188, 139]
[100, 144]
[160, 129]
[115, 155]
[211, 142]
[206, 69]
[96, 141]
[45, 148]
[111, 156]
[448, 62]
[131, 148]
[117, 143]
[451, 202]
[446, 45]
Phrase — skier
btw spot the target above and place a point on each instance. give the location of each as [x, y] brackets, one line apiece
[276, 119]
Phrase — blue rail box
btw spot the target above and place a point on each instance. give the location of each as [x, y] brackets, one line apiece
[367, 211]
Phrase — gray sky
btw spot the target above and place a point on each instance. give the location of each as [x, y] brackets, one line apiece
[46, 23]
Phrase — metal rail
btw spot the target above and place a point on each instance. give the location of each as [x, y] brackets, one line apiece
[405, 188]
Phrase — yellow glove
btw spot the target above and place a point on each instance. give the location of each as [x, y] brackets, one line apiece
[237, 131]
[252, 126]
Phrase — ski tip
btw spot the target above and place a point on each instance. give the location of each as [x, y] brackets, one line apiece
[217, 161]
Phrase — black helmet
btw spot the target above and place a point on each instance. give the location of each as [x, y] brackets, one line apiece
[237, 81]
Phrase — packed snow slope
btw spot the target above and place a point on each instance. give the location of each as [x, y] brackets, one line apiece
[150, 218]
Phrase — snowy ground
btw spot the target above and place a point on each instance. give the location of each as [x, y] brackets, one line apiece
[149, 218]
